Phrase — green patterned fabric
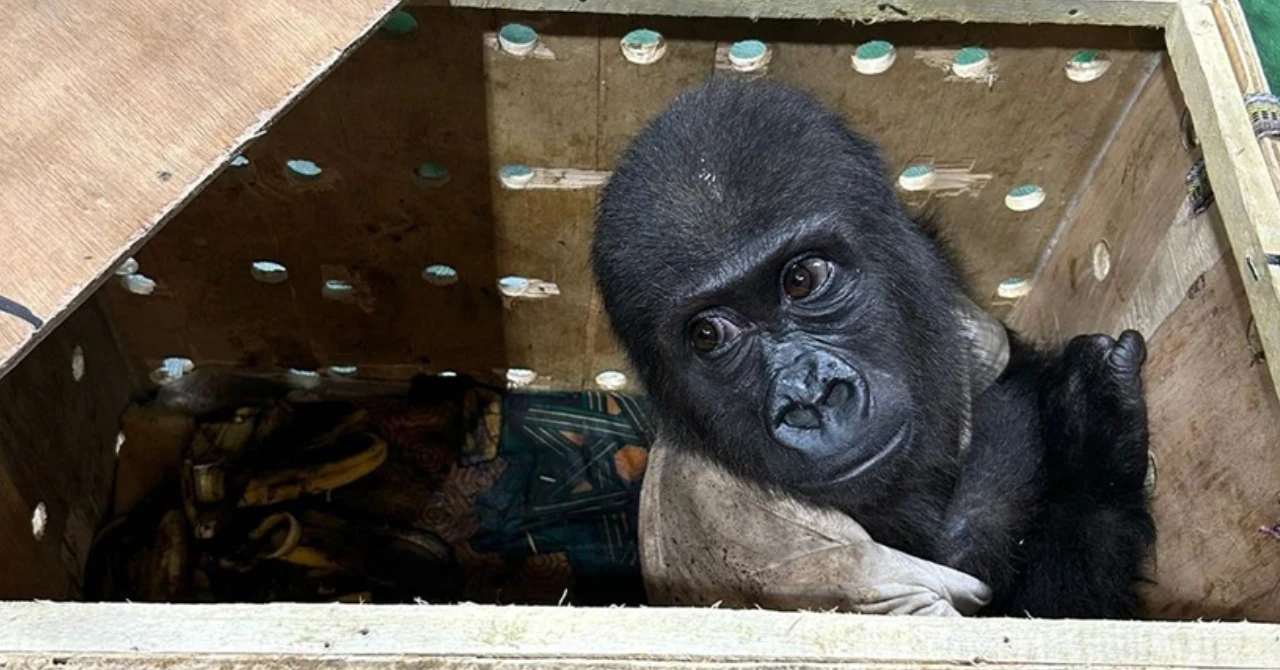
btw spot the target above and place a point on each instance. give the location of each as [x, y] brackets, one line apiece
[1264, 23]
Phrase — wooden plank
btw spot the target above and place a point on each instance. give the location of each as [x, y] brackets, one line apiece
[1151, 13]
[1239, 173]
[1125, 209]
[57, 453]
[114, 113]
[473, 636]
[1215, 423]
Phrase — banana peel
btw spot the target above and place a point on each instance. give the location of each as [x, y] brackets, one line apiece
[291, 483]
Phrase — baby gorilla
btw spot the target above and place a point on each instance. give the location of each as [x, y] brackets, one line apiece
[790, 320]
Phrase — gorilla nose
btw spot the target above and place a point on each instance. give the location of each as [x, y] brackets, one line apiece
[816, 403]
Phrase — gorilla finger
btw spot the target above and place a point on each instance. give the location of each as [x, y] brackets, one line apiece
[1130, 352]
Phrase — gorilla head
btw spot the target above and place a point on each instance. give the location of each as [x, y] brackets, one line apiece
[783, 311]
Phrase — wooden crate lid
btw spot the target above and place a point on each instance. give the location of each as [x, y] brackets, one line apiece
[114, 113]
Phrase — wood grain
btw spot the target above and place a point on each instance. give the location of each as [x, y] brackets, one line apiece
[1238, 170]
[1147, 13]
[1129, 205]
[472, 636]
[1215, 422]
[114, 113]
[57, 448]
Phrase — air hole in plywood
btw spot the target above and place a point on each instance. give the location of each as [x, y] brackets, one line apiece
[337, 289]
[518, 377]
[77, 363]
[239, 162]
[342, 370]
[643, 46]
[517, 39]
[119, 442]
[304, 379]
[748, 55]
[300, 168]
[971, 63]
[611, 380]
[172, 368]
[916, 178]
[1101, 260]
[513, 286]
[874, 57]
[138, 284]
[440, 275]
[128, 267]
[39, 521]
[448, 373]
[269, 272]
[400, 23]
[432, 174]
[1149, 484]
[1088, 65]
[515, 176]
[1024, 198]
[1013, 287]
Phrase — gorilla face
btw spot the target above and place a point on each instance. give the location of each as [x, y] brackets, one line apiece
[783, 312]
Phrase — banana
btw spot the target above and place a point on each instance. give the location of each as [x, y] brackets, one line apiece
[283, 485]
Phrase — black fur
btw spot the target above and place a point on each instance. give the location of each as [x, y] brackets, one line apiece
[701, 218]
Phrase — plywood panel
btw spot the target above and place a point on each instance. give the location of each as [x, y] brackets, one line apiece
[58, 428]
[444, 93]
[1215, 422]
[1128, 206]
[114, 113]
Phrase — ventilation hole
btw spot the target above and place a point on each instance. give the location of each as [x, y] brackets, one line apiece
[971, 63]
[337, 289]
[269, 272]
[875, 57]
[748, 55]
[1073, 12]
[138, 284]
[1101, 260]
[515, 176]
[1013, 287]
[239, 162]
[448, 373]
[513, 286]
[916, 178]
[304, 379]
[518, 377]
[39, 521]
[128, 267]
[1087, 66]
[342, 370]
[77, 363]
[643, 46]
[432, 174]
[440, 275]
[1024, 198]
[172, 368]
[611, 380]
[400, 23]
[1189, 139]
[517, 39]
[302, 169]
[119, 442]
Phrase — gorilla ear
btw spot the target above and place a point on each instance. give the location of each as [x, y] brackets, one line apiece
[989, 342]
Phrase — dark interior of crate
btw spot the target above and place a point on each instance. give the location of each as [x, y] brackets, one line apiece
[369, 237]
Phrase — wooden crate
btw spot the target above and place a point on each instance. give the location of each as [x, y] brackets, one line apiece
[159, 135]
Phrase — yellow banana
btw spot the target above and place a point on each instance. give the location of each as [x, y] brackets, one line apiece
[288, 484]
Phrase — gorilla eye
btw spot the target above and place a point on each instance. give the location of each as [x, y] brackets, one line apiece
[804, 277]
[708, 333]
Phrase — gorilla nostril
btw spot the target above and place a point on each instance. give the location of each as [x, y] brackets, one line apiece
[803, 417]
[838, 393]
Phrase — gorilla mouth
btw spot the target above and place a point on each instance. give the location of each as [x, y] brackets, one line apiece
[852, 470]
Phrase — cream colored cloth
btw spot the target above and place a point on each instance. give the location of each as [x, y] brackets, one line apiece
[707, 537]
